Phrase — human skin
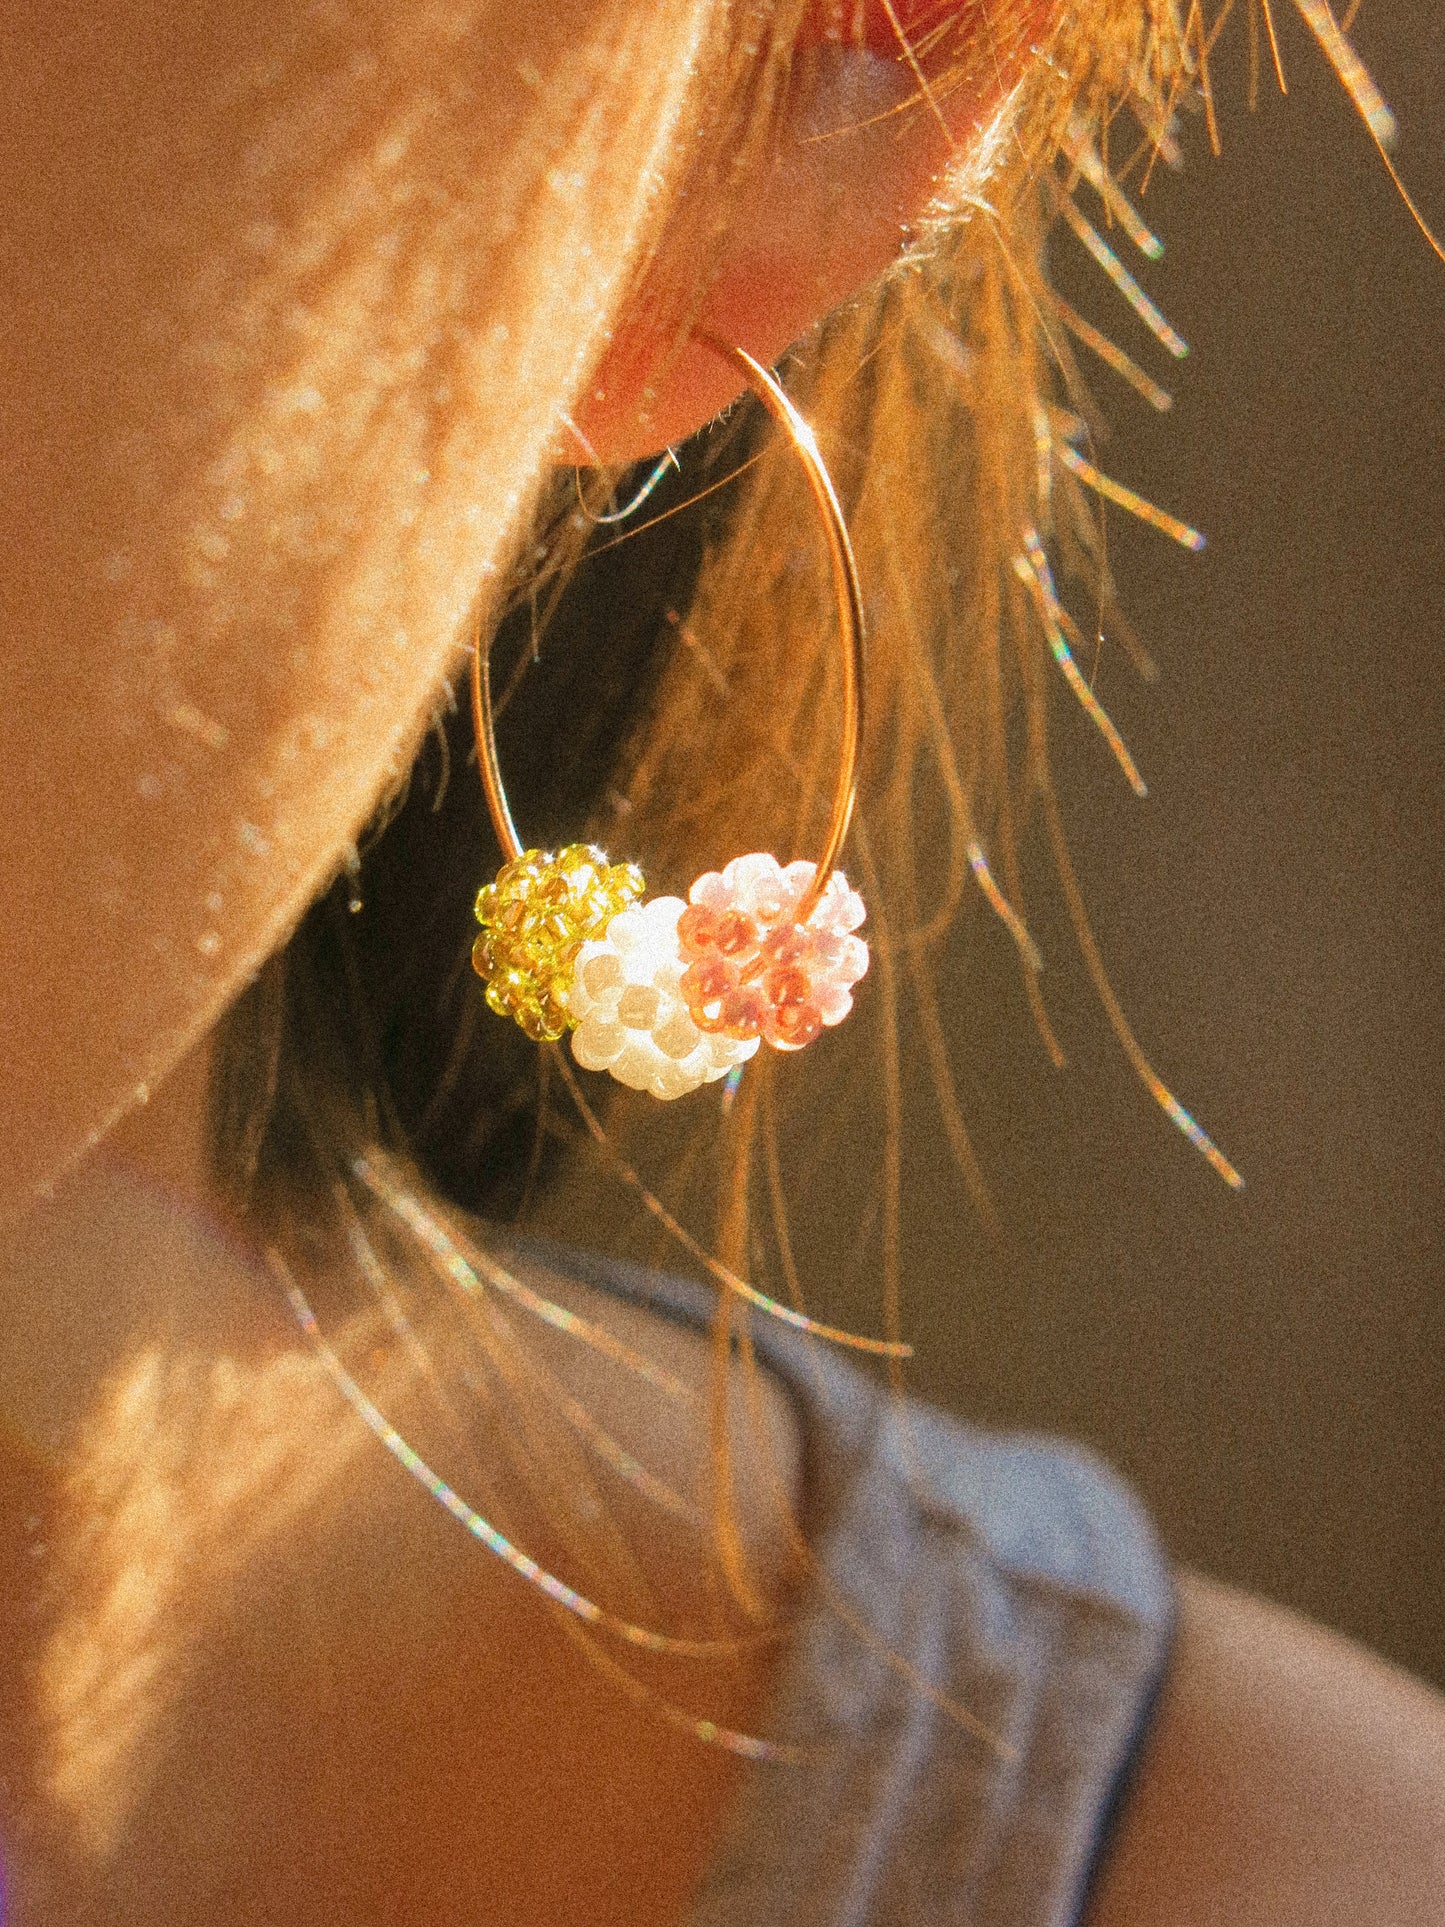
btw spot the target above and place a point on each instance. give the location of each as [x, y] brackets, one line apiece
[860, 155]
[393, 1714]
[1289, 1780]
[319, 1699]
[234, 584]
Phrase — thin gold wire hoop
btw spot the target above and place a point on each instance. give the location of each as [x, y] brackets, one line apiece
[848, 596]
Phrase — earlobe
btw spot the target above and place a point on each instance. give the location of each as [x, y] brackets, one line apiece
[856, 160]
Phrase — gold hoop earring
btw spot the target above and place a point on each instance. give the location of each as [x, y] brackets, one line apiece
[668, 995]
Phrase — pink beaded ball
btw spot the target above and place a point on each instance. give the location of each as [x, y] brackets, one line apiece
[753, 969]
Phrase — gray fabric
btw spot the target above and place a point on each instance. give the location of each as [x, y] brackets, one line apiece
[1030, 1588]
[1019, 1576]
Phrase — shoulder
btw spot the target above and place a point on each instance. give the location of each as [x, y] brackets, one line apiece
[1291, 1780]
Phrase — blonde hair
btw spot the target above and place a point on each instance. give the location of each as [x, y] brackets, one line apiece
[956, 420]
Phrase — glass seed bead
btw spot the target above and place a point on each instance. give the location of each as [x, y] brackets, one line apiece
[628, 1010]
[786, 986]
[785, 945]
[743, 1012]
[602, 973]
[637, 1006]
[536, 919]
[695, 927]
[734, 933]
[704, 985]
[795, 1025]
[677, 1036]
[753, 970]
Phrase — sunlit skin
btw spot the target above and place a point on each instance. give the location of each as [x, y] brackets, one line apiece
[175, 800]
[859, 157]
[420, 1723]
[190, 740]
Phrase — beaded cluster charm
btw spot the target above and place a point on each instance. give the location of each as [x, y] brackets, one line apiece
[753, 970]
[631, 1015]
[535, 919]
[667, 995]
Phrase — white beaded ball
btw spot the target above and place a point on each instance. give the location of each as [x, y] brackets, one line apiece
[627, 1004]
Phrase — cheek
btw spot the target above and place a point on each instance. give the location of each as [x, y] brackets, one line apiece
[269, 417]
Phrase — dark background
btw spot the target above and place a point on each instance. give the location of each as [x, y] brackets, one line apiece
[1266, 1366]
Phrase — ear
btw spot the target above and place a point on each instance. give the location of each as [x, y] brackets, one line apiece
[865, 137]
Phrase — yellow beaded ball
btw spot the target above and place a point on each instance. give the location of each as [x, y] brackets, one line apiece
[535, 919]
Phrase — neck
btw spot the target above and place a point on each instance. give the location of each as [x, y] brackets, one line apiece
[220, 1525]
[163, 1141]
[130, 1249]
